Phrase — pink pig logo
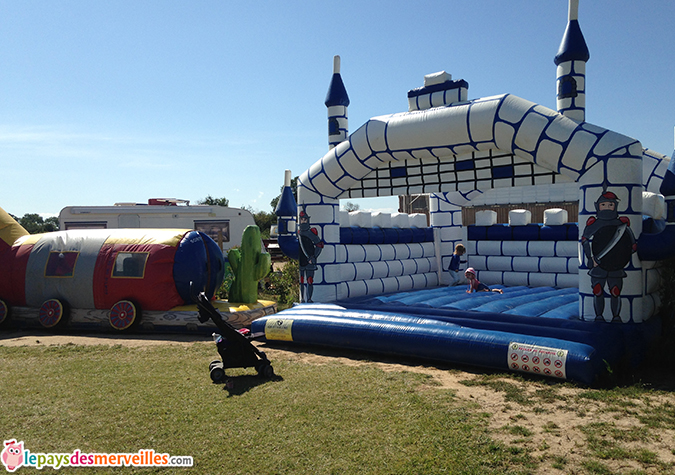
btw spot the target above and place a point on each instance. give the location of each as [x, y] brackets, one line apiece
[12, 455]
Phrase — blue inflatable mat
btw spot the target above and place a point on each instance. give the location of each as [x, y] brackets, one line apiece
[513, 305]
[569, 311]
[539, 307]
[448, 300]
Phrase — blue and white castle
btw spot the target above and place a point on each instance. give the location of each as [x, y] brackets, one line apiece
[490, 150]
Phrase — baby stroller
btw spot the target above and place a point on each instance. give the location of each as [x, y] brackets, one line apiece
[234, 346]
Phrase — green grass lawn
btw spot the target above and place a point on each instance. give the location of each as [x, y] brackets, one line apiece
[330, 418]
[323, 417]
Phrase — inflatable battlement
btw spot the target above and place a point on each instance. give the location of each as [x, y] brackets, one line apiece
[529, 232]
[363, 227]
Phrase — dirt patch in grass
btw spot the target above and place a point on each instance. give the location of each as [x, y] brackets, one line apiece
[24, 338]
[566, 429]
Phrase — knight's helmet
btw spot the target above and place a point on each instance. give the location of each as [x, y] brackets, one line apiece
[607, 197]
[303, 217]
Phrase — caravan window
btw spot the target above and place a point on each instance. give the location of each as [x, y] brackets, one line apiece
[61, 264]
[86, 225]
[219, 231]
[130, 265]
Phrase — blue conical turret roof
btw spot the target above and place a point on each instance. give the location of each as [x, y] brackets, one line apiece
[573, 46]
[286, 205]
[337, 94]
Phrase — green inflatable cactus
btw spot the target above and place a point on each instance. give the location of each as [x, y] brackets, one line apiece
[249, 265]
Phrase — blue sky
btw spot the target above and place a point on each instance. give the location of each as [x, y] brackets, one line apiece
[121, 101]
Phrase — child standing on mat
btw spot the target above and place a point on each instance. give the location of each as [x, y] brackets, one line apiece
[455, 261]
[475, 285]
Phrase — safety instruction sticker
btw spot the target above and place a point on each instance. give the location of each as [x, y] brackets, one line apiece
[279, 329]
[537, 359]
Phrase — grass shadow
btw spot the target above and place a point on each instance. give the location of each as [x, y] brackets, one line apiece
[241, 384]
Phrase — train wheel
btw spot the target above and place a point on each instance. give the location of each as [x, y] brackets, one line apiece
[4, 311]
[123, 314]
[51, 313]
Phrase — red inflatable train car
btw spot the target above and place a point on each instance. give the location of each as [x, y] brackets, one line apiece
[121, 270]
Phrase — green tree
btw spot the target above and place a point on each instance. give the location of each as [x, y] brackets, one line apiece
[349, 206]
[35, 224]
[211, 201]
[263, 220]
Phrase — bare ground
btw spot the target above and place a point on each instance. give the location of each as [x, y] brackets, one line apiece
[549, 421]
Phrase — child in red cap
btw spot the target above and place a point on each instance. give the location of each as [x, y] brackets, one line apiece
[475, 285]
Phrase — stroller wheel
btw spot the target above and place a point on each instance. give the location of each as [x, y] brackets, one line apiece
[266, 370]
[217, 374]
[213, 364]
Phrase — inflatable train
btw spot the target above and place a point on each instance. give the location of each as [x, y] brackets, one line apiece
[106, 278]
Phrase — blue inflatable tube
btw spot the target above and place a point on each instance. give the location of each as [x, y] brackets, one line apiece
[416, 337]
[290, 246]
[606, 339]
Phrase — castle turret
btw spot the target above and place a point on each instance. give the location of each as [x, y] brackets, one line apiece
[571, 73]
[337, 102]
[287, 211]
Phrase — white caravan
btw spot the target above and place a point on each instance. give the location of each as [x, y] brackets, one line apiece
[225, 225]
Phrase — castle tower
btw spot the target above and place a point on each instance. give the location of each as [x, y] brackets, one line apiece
[337, 102]
[571, 73]
[287, 211]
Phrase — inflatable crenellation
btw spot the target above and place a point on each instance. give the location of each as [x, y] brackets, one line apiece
[417, 220]
[439, 90]
[520, 217]
[362, 219]
[400, 220]
[555, 217]
[381, 220]
[486, 217]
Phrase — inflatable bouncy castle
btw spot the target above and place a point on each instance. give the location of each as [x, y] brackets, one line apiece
[583, 291]
[123, 270]
[108, 278]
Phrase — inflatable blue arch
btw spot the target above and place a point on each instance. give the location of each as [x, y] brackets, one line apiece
[578, 297]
